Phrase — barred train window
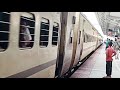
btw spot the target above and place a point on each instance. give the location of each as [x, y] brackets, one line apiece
[71, 36]
[4, 30]
[44, 32]
[79, 37]
[55, 33]
[27, 28]
[88, 38]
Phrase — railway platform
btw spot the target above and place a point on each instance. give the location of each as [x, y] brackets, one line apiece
[95, 66]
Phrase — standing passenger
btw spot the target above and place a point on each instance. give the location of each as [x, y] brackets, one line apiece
[107, 43]
[116, 47]
[110, 52]
[112, 42]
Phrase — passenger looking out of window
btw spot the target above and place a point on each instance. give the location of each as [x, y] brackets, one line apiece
[25, 35]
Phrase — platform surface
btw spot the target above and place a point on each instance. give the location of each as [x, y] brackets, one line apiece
[95, 66]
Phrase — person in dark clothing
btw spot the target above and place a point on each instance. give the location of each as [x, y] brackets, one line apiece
[25, 35]
[107, 43]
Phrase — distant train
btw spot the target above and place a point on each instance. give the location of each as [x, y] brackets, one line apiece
[57, 44]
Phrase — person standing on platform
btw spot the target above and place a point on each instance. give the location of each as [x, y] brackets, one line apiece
[107, 43]
[117, 48]
[110, 52]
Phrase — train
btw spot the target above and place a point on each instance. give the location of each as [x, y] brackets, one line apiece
[59, 41]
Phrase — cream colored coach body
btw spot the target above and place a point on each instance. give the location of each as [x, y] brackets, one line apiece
[14, 61]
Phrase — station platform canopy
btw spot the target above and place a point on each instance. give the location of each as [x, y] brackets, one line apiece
[109, 22]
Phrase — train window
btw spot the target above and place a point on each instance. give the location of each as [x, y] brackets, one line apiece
[71, 36]
[27, 28]
[73, 20]
[89, 38]
[79, 37]
[55, 33]
[4, 30]
[44, 32]
[84, 37]
[92, 38]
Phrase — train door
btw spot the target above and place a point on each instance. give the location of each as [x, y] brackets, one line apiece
[67, 38]
[82, 38]
[61, 44]
[71, 48]
[76, 43]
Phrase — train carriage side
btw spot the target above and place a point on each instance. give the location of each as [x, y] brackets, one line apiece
[17, 61]
[84, 41]
[79, 45]
[37, 59]
[69, 40]
[89, 35]
[100, 40]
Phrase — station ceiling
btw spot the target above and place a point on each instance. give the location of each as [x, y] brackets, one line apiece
[109, 22]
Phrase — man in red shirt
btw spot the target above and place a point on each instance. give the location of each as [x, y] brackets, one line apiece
[110, 52]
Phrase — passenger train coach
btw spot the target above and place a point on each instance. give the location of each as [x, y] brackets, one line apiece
[59, 41]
